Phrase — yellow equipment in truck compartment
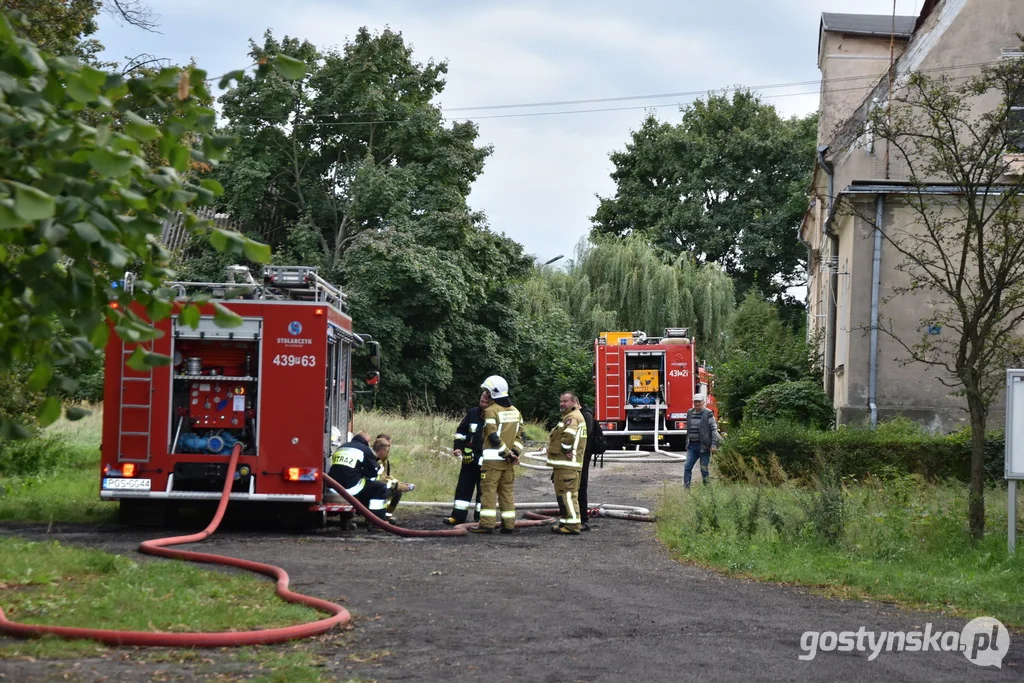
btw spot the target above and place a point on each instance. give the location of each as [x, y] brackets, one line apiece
[645, 381]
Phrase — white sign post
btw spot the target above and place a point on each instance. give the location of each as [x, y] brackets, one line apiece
[1014, 449]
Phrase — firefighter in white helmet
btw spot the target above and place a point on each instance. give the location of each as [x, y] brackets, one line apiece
[502, 444]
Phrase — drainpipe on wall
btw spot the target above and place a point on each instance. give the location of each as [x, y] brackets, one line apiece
[876, 276]
[830, 330]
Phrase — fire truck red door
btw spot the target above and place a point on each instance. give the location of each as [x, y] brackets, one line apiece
[679, 369]
[293, 374]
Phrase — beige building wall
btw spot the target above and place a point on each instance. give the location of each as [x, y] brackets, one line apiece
[957, 35]
[904, 387]
[850, 67]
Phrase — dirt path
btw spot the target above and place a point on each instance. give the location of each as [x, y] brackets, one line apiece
[610, 605]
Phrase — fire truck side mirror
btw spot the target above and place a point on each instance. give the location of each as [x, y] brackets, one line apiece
[375, 355]
[373, 379]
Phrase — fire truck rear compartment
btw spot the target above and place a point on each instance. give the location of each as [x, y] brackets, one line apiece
[213, 407]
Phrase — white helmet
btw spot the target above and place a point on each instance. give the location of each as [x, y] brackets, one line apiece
[336, 438]
[496, 386]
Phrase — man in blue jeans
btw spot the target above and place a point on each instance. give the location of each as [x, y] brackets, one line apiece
[703, 440]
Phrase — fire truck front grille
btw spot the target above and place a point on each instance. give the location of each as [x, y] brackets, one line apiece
[206, 476]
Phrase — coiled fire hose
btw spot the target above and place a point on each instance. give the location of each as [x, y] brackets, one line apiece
[159, 547]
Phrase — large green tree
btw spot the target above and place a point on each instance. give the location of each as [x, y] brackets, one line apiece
[727, 185]
[354, 170]
[79, 204]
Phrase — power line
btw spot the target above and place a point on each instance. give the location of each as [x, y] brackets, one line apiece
[689, 93]
[573, 111]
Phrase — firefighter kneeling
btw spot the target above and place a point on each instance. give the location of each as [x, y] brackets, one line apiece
[566, 447]
[502, 444]
[354, 465]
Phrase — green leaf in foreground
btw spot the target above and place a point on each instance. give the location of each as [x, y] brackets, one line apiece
[289, 67]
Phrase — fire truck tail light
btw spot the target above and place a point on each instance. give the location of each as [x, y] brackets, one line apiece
[680, 425]
[129, 469]
[301, 474]
[115, 305]
[608, 425]
[318, 311]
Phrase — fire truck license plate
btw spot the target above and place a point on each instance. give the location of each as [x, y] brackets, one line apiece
[133, 484]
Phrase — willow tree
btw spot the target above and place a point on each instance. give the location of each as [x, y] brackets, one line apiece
[647, 290]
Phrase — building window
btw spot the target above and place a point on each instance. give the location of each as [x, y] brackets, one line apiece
[1015, 97]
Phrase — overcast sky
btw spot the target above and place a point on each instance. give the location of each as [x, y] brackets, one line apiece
[540, 186]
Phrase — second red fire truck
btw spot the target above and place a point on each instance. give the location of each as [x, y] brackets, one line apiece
[645, 385]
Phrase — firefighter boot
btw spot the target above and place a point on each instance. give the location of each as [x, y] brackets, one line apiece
[481, 530]
[457, 517]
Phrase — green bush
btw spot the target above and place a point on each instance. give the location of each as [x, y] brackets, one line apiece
[18, 405]
[894, 448]
[761, 352]
[32, 456]
[802, 402]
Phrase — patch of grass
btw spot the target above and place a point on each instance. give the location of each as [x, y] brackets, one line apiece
[420, 451]
[535, 431]
[66, 488]
[82, 435]
[65, 495]
[48, 583]
[288, 664]
[900, 539]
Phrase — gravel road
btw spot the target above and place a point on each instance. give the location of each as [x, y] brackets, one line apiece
[609, 605]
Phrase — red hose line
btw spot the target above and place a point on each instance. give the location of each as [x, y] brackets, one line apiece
[339, 615]
[371, 518]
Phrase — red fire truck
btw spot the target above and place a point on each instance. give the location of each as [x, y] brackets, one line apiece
[276, 384]
[644, 386]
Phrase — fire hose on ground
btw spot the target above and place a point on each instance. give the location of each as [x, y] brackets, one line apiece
[159, 547]
[338, 615]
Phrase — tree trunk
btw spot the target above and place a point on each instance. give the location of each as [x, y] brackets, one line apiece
[976, 497]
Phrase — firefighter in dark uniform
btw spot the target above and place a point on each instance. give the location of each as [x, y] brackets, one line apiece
[468, 446]
[354, 466]
[502, 443]
[595, 448]
[566, 447]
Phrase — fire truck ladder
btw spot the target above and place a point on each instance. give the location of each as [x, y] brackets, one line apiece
[134, 410]
[613, 383]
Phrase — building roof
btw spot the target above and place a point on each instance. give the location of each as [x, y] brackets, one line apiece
[175, 232]
[868, 24]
